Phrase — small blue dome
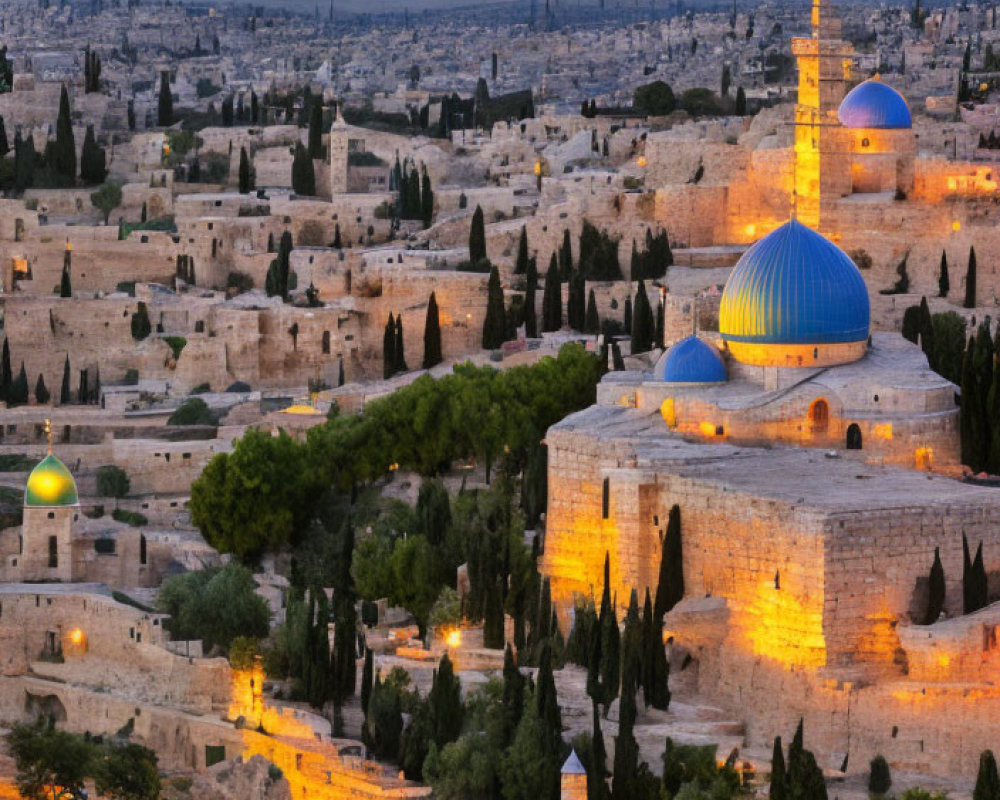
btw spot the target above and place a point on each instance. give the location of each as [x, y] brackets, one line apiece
[795, 287]
[873, 104]
[690, 361]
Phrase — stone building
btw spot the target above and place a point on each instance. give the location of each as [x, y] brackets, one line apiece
[810, 462]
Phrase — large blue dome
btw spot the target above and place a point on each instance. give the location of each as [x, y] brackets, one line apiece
[690, 361]
[795, 287]
[872, 104]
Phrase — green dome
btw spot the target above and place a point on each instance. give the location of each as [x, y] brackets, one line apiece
[50, 484]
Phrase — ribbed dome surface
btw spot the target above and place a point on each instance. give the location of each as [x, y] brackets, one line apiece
[50, 484]
[691, 361]
[795, 287]
[873, 104]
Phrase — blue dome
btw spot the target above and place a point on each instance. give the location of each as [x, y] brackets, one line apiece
[794, 287]
[690, 361]
[872, 104]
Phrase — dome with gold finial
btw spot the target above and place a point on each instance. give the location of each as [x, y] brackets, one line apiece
[50, 484]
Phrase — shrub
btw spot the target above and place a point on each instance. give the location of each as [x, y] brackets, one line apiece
[131, 377]
[202, 388]
[16, 462]
[239, 281]
[132, 518]
[175, 343]
[879, 779]
[239, 386]
[242, 651]
[128, 287]
[274, 772]
[193, 412]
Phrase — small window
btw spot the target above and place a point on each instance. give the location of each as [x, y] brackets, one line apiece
[605, 498]
[53, 553]
[865, 142]
[131, 633]
[142, 548]
[105, 546]
[138, 638]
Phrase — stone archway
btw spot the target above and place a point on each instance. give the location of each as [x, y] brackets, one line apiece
[819, 416]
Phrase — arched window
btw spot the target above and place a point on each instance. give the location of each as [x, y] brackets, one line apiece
[854, 437]
[819, 416]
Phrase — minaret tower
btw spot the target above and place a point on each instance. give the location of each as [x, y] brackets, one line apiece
[339, 146]
[822, 172]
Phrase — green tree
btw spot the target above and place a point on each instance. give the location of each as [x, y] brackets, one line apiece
[399, 357]
[165, 107]
[215, 605]
[970, 280]
[655, 670]
[626, 748]
[367, 677]
[879, 776]
[303, 172]
[565, 256]
[654, 99]
[593, 321]
[493, 324]
[93, 166]
[112, 481]
[610, 659]
[741, 102]
[477, 237]
[935, 590]
[25, 162]
[17, 395]
[552, 299]
[384, 721]
[46, 758]
[779, 780]
[445, 700]
[944, 283]
[987, 780]
[245, 176]
[65, 394]
[42, 395]
[521, 264]
[670, 584]
[432, 334]
[4, 142]
[256, 498]
[65, 283]
[62, 158]
[193, 411]
[107, 199]
[642, 322]
[389, 348]
[426, 198]
[128, 772]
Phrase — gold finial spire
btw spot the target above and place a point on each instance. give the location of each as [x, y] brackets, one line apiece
[48, 434]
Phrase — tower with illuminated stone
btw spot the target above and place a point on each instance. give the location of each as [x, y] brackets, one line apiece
[50, 505]
[822, 166]
[339, 147]
[573, 779]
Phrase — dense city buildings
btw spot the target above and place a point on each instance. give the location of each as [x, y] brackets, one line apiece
[536, 401]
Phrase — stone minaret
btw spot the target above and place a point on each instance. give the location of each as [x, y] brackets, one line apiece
[339, 145]
[822, 169]
[573, 780]
[50, 506]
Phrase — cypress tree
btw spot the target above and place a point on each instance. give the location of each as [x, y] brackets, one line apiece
[879, 776]
[4, 142]
[656, 670]
[970, 280]
[552, 299]
[987, 781]
[426, 198]
[935, 590]
[670, 585]
[530, 321]
[142, 214]
[576, 311]
[389, 348]
[367, 672]
[980, 586]
[303, 172]
[547, 708]
[741, 102]
[64, 150]
[597, 788]
[432, 334]
[642, 322]
[944, 283]
[610, 642]
[565, 256]
[227, 112]
[254, 108]
[93, 160]
[477, 237]
[141, 327]
[42, 395]
[445, 701]
[245, 179]
[513, 696]
[319, 689]
[18, 394]
[6, 376]
[593, 321]
[493, 616]
[627, 315]
[493, 324]
[779, 780]
[400, 356]
[340, 373]
[25, 161]
[65, 286]
[165, 107]
[926, 331]
[531, 273]
[316, 129]
[337, 244]
[65, 394]
[626, 748]
[969, 409]
[521, 265]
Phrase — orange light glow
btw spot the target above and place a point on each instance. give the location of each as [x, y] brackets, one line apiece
[453, 638]
[706, 428]
[750, 230]
[641, 161]
[69, 245]
[76, 636]
[923, 458]
[538, 167]
[668, 412]
[956, 226]
[883, 431]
